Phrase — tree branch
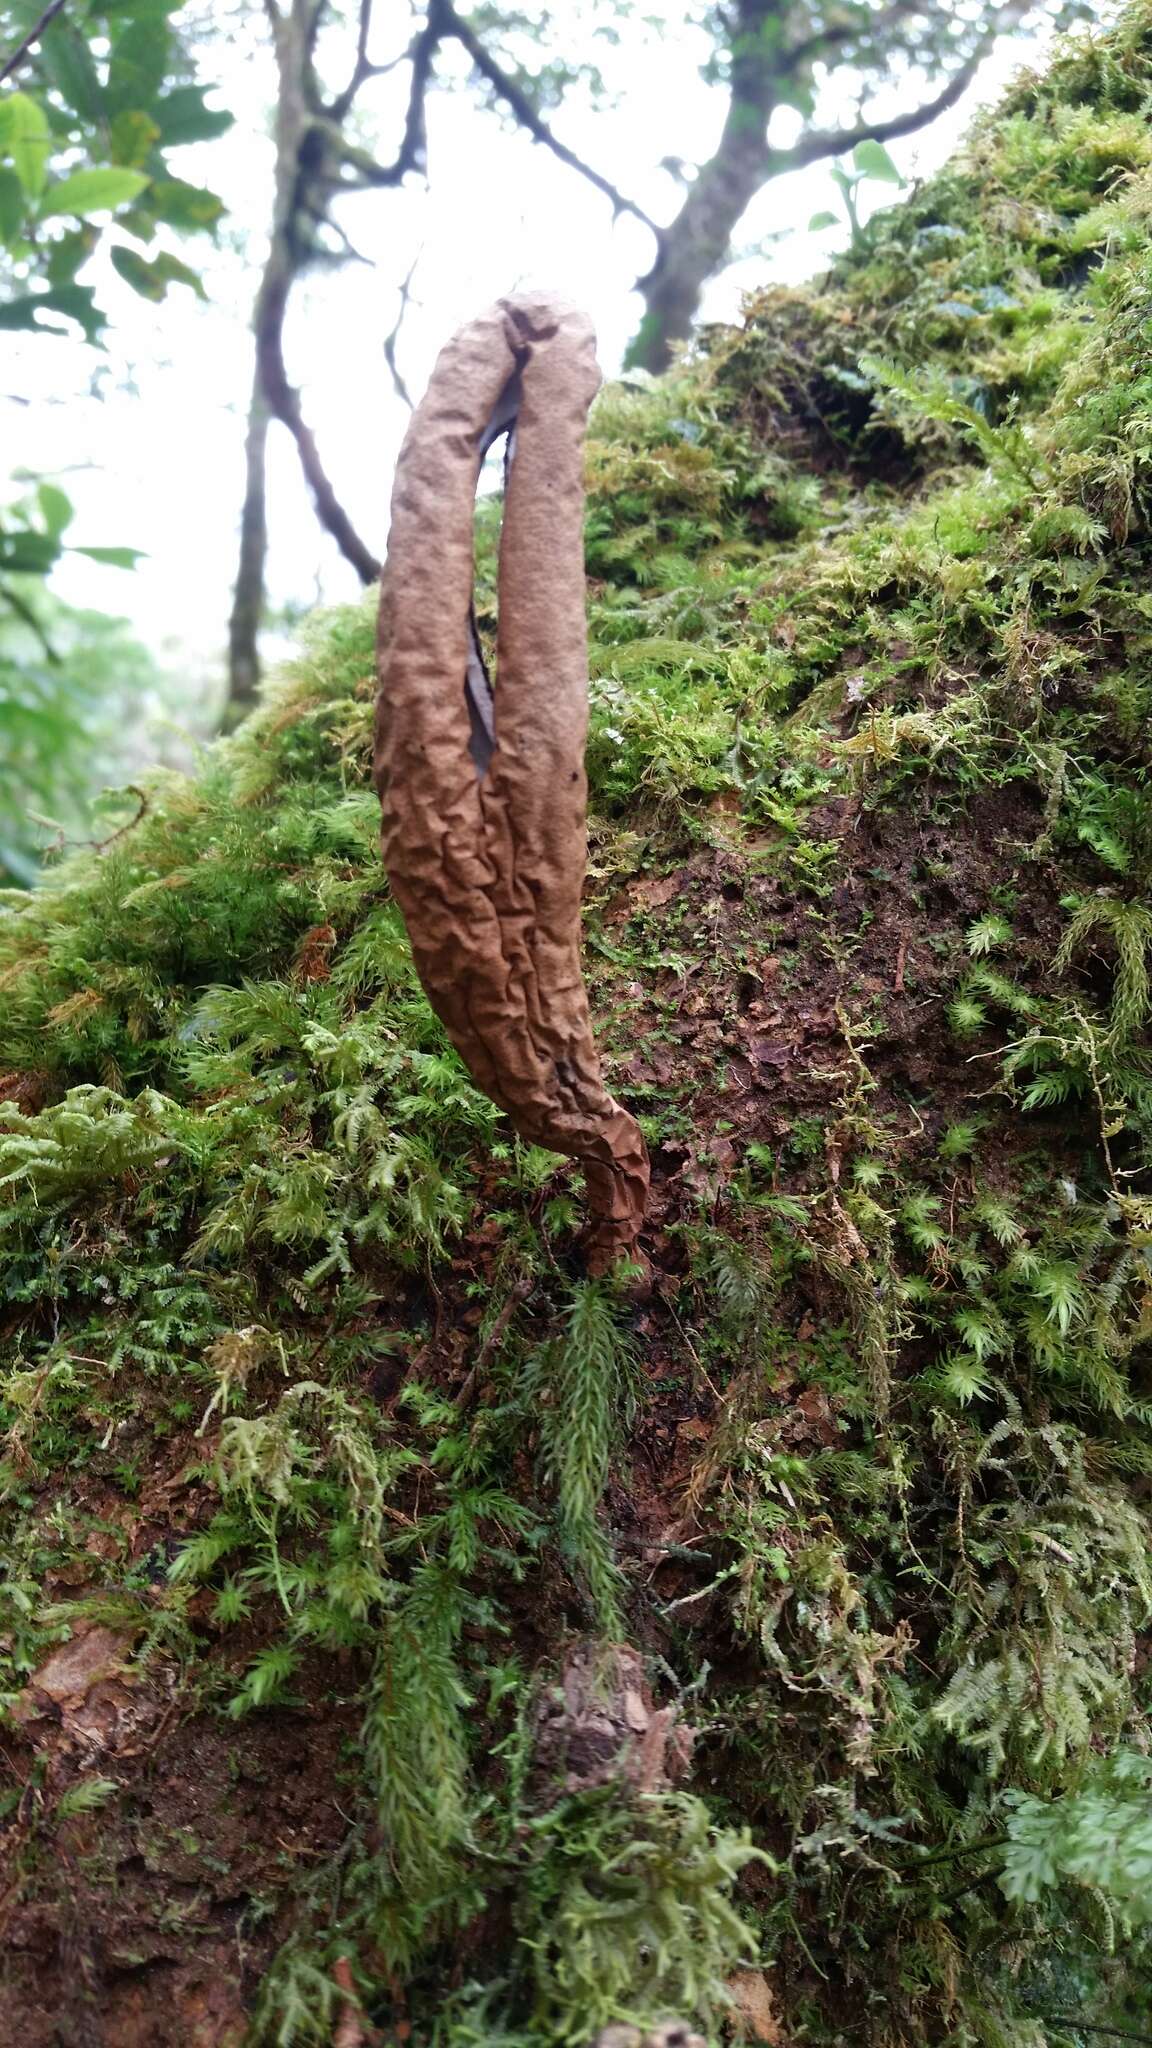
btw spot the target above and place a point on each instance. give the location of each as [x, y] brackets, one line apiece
[521, 107]
[25, 612]
[412, 153]
[825, 142]
[31, 39]
[391, 339]
[284, 403]
[341, 106]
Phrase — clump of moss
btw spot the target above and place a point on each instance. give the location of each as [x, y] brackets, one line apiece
[302, 1402]
[986, 271]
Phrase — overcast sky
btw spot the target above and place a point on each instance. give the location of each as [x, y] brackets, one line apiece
[156, 460]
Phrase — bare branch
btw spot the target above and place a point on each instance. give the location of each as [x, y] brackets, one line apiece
[825, 142]
[284, 403]
[31, 39]
[24, 611]
[341, 106]
[517, 100]
[413, 150]
[391, 339]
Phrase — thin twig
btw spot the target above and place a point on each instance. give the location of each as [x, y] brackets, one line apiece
[391, 339]
[31, 39]
[521, 106]
[100, 844]
[350, 2026]
[517, 1293]
[24, 611]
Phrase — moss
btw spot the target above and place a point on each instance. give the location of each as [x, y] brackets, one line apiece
[302, 1402]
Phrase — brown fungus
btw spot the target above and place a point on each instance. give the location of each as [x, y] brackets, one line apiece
[483, 790]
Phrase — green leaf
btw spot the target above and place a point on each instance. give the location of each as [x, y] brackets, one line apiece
[873, 161]
[151, 277]
[133, 138]
[114, 558]
[86, 1796]
[962, 1378]
[76, 301]
[67, 59]
[67, 252]
[25, 137]
[28, 554]
[11, 207]
[820, 221]
[99, 190]
[139, 63]
[987, 934]
[183, 117]
[55, 507]
[184, 206]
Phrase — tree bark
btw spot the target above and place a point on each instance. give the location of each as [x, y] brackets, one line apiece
[299, 197]
[248, 597]
[695, 244]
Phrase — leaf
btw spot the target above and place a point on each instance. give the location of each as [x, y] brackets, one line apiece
[183, 117]
[139, 63]
[28, 554]
[151, 277]
[67, 59]
[820, 221]
[65, 255]
[133, 137]
[86, 1796]
[873, 161]
[55, 507]
[76, 301]
[114, 558]
[184, 206]
[99, 190]
[961, 1377]
[988, 933]
[25, 137]
[11, 206]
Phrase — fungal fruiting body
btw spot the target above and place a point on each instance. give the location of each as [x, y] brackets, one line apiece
[483, 791]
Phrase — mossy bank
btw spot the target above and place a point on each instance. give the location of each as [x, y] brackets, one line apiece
[406, 1639]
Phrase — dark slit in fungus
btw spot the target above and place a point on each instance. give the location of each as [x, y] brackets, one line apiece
[483, 791]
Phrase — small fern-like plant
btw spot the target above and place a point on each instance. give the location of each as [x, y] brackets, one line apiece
[585, 1385]
[1129, 927]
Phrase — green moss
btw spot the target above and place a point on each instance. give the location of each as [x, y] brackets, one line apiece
[866, 1475]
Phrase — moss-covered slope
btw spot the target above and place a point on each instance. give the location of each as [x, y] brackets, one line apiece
[405, 1639]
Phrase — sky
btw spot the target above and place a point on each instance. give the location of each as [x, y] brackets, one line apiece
[152, 455]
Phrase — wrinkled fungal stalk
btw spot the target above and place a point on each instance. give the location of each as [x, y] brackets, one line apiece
[483, 791]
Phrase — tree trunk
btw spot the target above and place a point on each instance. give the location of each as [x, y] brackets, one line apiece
[300, 197]
[694, 246]
[248, 597]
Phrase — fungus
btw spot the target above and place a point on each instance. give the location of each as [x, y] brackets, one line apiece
[482, 788]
